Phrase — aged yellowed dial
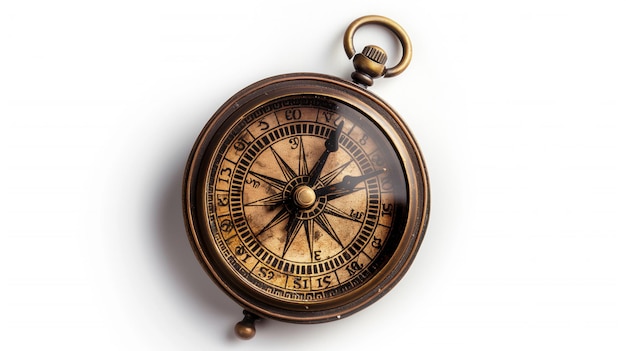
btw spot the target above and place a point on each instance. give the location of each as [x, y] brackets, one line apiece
[305, 196]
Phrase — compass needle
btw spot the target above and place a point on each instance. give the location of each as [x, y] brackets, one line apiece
[332, 145]
[347, 185]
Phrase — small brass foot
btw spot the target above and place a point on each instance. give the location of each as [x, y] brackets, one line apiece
[245, 329]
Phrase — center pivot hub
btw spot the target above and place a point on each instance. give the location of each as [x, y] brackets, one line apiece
[304, 196]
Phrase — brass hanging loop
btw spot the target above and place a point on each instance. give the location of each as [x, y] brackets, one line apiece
[370, 63]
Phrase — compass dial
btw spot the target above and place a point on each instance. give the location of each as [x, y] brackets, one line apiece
[305, 197]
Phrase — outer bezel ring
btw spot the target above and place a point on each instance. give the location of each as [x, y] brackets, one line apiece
[418, 195]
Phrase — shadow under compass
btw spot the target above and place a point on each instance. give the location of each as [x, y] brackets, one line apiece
[203, 299]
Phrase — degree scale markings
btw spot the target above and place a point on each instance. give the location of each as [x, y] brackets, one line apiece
[244, 161]
[273, 200]
[265, 256]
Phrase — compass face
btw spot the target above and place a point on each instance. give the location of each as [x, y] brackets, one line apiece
[302, 206]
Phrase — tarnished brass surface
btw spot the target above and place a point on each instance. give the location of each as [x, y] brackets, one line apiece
[367, 61]
[305, 196]
[245, 329]
[306, 199]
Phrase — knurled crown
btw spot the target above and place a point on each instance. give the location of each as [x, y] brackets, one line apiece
[375, 53]
[369, 64]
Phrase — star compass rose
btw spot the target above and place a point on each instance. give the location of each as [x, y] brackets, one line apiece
[316, 211]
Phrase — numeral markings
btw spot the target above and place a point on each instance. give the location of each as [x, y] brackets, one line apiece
[325, 270]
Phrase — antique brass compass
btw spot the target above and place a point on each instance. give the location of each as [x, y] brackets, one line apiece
[305, 196]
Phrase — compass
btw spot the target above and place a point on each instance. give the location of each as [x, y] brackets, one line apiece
[305, 196]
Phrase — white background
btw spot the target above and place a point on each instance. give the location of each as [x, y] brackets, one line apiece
[518, 107]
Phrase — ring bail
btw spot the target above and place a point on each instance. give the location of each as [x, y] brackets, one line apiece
[370, 63]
